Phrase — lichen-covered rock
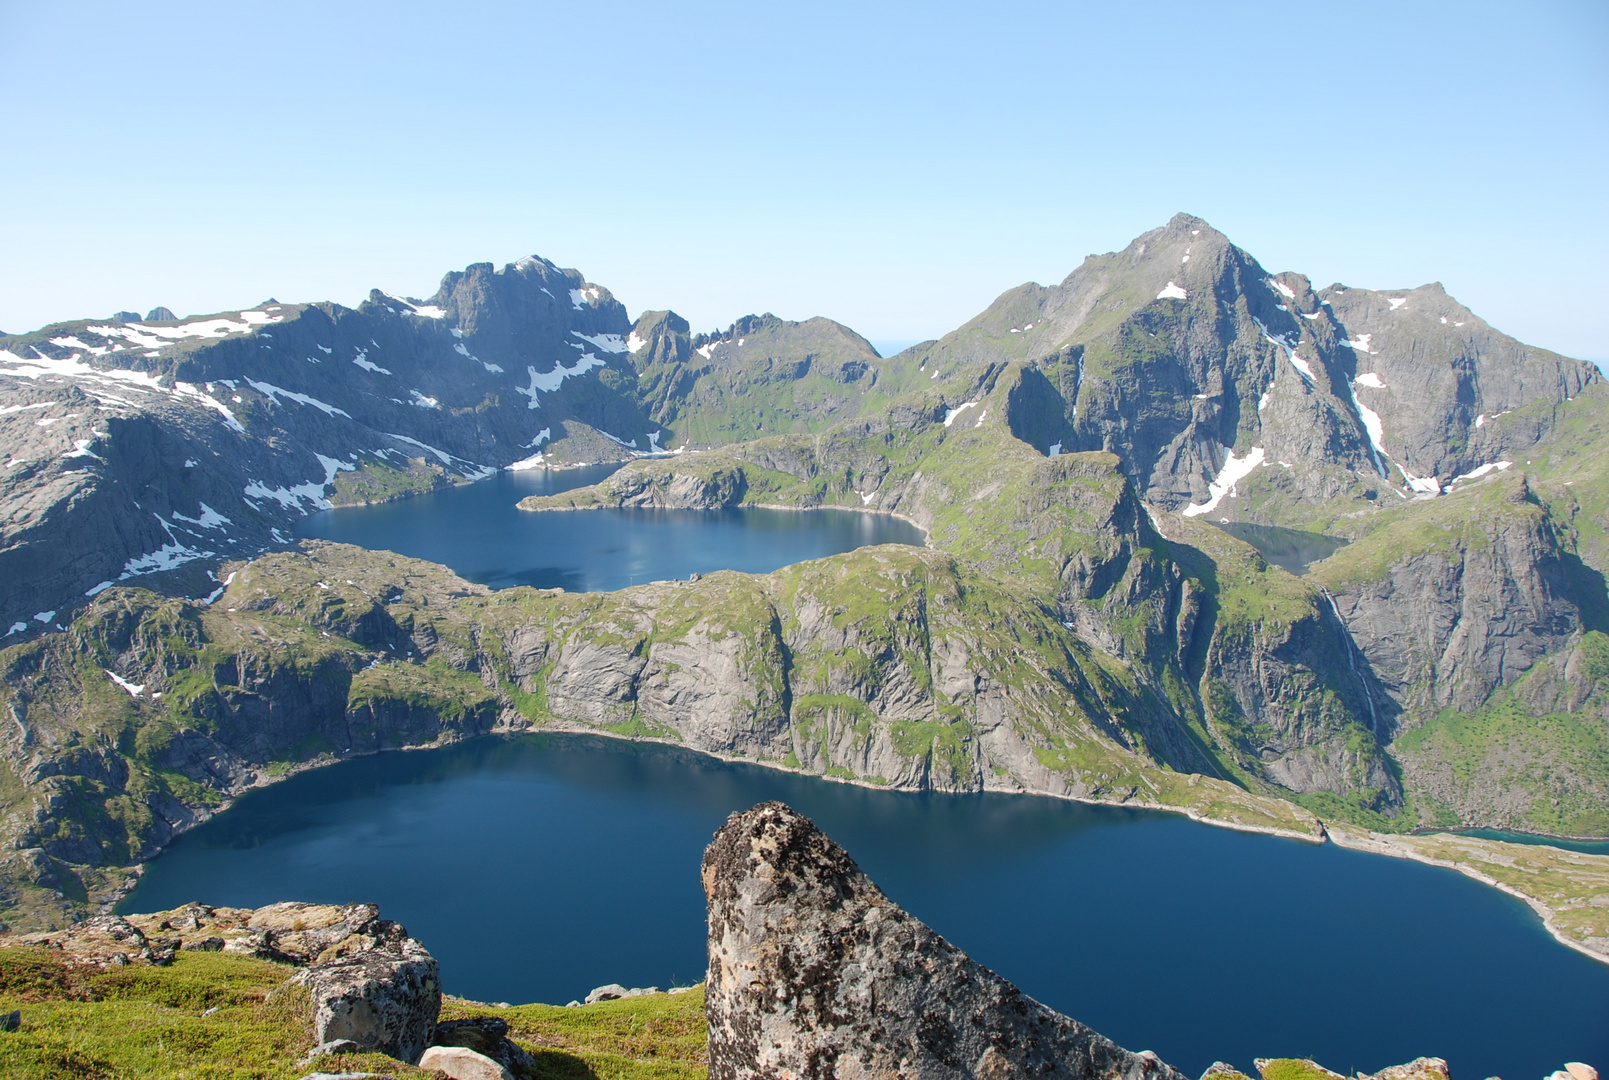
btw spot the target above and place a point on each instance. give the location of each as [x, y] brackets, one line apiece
[287, 933]
[385, 997]
[814, 973]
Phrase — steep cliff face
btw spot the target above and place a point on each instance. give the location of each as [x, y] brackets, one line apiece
[1458, 598]
[1285, 693]
[1237, 668]
[891, 666]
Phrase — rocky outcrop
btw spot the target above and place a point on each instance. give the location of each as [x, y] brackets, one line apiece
[287, 933]
[814, 973]
[369, 983]
[761, 376]
[384, 994]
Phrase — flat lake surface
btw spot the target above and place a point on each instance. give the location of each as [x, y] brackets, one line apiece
[1292, 549]
[538, 867]
[477, 530]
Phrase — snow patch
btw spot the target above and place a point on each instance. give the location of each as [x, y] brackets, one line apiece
[1477, 473]
[1055, 450]
[1234, 470]
[579, 297]
[1290, 351]
[1369, 378]
[634, 343]
[1397, 301]
[549, 381]
[1480, 421]
[209, 519]
[1171, 292]
[1425, 485]
[423, 401]
[1281, 288]
[951, 414]
[362, 360]
[705, 350]
[133, 689]
[609, 343]
[312, 492]
[1375, 429]
[1360, 343]
[81, 448]
[276, 392]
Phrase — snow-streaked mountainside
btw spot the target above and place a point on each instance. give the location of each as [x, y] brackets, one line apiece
[1186, 358]
[135, 446]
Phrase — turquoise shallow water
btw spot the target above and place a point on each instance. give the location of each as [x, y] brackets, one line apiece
[536, 868]
[477, 530]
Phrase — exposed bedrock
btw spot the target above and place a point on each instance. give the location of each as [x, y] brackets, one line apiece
[814, 973]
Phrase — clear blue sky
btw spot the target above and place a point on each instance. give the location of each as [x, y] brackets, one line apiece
[893, 166]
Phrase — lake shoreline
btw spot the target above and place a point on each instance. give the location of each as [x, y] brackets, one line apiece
[1341, 835]
[927, 537]
[1381, 844]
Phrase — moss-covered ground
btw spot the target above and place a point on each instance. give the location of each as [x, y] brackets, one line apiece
[213, 1016]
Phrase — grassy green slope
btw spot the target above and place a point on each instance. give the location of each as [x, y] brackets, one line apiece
[223, 1017]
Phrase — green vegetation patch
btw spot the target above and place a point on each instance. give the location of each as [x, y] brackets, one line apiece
[376, 482]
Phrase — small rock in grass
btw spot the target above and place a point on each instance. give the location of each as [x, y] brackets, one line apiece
[614, 991]
[334, 1046]
[462, 1063]
[11, 1021]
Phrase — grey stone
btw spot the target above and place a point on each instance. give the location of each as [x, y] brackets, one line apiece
[813, 972]
[613, 991]
[384, 998]
[462, 1063]
[339, 1046]
[11, 1021]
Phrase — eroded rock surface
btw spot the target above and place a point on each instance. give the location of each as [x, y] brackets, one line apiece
[814, 973]
[385, 997]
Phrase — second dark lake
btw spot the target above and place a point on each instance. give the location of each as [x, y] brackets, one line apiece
[479, 532]
[538, 867]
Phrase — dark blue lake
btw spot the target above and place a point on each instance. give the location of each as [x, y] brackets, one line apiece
[477, 530]
[539, 867]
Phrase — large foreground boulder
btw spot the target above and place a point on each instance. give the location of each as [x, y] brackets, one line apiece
[384, 996]
[814, 974]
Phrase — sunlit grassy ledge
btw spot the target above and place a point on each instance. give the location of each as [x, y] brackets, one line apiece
[1568, 889]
